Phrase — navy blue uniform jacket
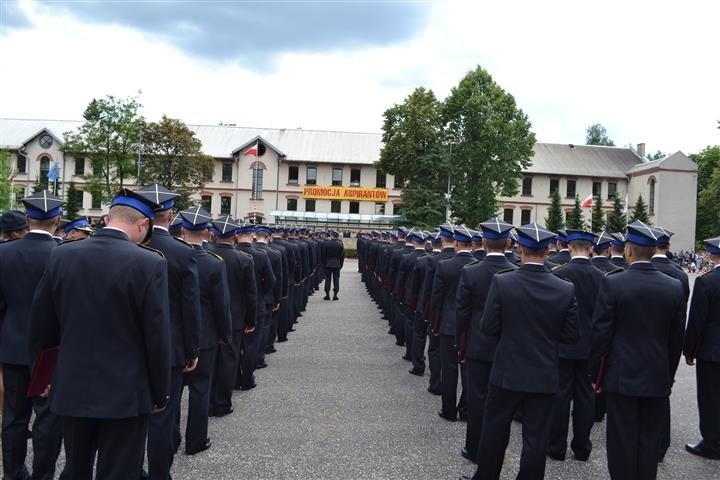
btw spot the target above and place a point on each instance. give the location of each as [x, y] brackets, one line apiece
[702, 339]
[241, 285]
[216, 325]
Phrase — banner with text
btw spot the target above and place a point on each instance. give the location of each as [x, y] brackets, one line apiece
[346, 193]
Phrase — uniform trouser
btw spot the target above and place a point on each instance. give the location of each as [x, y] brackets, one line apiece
[575, 387]
[398, 322]
[419, 339]
[119, 443]
[708, 398]
[247, 360]
[161, 431]
[434, 362]
[449, 375]
[284, 319]
[408, 326]
[500, 407]
[264, 334]
[332, 275]
[634, 428]
[226, 368]
[600, 407]
[47, 428]
[274, 325]
[199, 382]
[476, 382]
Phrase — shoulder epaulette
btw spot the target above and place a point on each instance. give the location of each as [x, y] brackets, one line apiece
[215, 255]
[471, 263]
[261, 250]
[151, 249]
[182, 241]
[556, 267]
[505, 271]
[708, 272]
[246, 254]
[611, 272]
[66, 242]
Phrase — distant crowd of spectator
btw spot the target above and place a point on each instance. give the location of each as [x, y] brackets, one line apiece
[694, 262]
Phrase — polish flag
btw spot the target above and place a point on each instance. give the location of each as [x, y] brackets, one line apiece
[588, 202]
[253, 150]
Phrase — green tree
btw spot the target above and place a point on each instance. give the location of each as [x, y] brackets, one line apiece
[597, 135]
[414, 150]
[172, 156]
[575, 218]
[554, 221]
[640, 211]
[655, 156]
[492, 144]
[597, 221]
[6, 191]
[707, 223]
[110, 137]
[617, 220]
[74, 201]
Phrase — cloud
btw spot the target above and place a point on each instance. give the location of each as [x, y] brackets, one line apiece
[12, 16]
[254, 33]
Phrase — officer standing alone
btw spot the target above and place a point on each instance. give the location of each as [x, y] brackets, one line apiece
[333, 257]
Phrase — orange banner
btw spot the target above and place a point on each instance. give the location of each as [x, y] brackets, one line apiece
[346, 193]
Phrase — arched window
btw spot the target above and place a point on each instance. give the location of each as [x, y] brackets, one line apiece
[257, 180]
[651, 201]
[44, 169]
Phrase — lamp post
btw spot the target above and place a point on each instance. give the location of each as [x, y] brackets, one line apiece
[447, 195]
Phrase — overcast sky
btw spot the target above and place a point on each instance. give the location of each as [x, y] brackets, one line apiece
[648, 71]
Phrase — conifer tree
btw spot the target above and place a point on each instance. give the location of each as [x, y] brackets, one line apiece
[597, 222]
[640, 212]
[617, 220]
[575, 219]
[554, 221]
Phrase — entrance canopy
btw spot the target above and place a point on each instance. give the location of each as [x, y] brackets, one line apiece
[340, 220]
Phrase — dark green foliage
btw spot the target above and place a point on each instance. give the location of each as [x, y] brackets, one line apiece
[597, 222]
[554, 221]
[575, 219]
[74, 202]
[708, 193]
[640, 212]
[597, 135]
[617, 221]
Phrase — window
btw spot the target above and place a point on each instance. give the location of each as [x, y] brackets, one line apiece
[354, 177]
[225, 205]
[227, 171]
[310, 205]
[293, 175]
[651, 201]
[335, 206]
[397, 209]
[21, 163]
[311, 176]
[337, 177]
[380, 179]
[571, 189]
[554, 185]
[508, 215]
[206, 202]
[354, 207]
[527, 186]
[525, 217]
[292, 204]
[379, 209]
[80, 166]
[597, 189]
[44, 169]
[95, 201]
[78, 194]
[19, 194]
[612, 190]
[398, 182]
[257, 182]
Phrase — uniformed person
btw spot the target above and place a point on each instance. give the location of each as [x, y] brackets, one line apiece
[478, 250]
[575, 382]
[702, 349]
[638, 326]
[239, 355]
[442, 313]
[525, 371]
[601, 252]
[184, 297]
[78, 229]
[403, 286]
[617, 250]
[333, 257]
[13, 225]
[113, 370]
[22, 263]
[476, 350]
[563, 253]
[286, 318]
[263, 233]
[215, 328]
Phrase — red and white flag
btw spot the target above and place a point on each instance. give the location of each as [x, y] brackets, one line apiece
[253, 150]
[588, 202]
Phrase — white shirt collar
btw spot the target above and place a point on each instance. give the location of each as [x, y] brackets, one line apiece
[495, 254]
[161, 228]
[464, 251]
[640, 261]
[44, 232]
[659, 255]
[533, 263]
[580, 256]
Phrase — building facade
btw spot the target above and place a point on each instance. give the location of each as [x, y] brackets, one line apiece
[328, 178]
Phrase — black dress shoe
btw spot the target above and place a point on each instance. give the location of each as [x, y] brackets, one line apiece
[335, 297]
[555, 456]
[223, 413]
[417, 372]
[466, 455]
[447, 417]
[326, 297]
[270, 350]
[281, 340]
[704, 450]
[462, 416]
[245, 388]
[291, 329]
[405, 357]
[201, 448]
[433, 391]
[581, 457]
[260, 366]
[400, 344]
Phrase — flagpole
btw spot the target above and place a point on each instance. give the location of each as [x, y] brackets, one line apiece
[255, 182]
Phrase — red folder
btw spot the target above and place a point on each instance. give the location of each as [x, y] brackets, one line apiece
[43, 371]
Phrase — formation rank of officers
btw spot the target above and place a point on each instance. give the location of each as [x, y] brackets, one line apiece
[128, 317]
[531, 322]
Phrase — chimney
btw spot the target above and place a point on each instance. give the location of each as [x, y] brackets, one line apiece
[641, 149]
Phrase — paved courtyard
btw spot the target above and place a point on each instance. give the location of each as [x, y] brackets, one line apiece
[338, 403]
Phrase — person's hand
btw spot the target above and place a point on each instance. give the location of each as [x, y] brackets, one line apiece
[157, 409]
[690, 361]
[249, 329]
[46, 392]
[190, 365]
[276, 307]
[597, 388]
